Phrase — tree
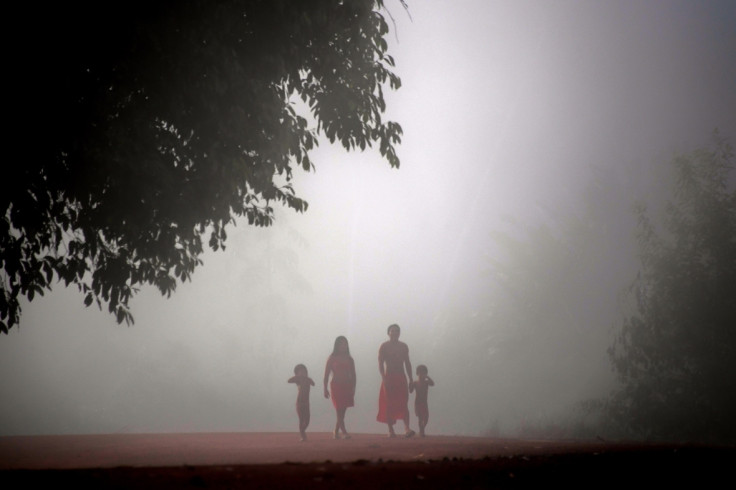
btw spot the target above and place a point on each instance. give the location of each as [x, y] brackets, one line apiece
[541, 322]
[144, 126]
[676, 352]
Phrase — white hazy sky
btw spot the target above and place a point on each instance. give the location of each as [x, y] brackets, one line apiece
[506, 106]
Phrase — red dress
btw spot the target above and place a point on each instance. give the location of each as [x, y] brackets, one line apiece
[342, 385]
[393, 398]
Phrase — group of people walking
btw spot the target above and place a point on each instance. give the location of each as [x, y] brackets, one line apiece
[393, 398]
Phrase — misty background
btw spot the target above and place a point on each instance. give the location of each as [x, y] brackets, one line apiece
[502, 246]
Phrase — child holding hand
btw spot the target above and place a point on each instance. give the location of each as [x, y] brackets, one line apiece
[421, 387]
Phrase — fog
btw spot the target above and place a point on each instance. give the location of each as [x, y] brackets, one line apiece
[525, 124]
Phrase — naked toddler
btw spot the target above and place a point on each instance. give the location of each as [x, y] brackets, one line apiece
[421, 387]
[303, 383]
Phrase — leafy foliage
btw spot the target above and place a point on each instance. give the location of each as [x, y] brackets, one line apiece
[144, 126]
[676, 353]
[544, 311]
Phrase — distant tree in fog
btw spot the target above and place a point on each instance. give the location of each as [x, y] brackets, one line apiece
[142, 127]
[541, 330]
[554, 303]
[676, 352]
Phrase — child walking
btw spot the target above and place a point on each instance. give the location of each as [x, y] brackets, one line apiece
[421, 387]
[303, 383]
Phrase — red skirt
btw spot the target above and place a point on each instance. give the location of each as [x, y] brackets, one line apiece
[342, 394]
[393, 399]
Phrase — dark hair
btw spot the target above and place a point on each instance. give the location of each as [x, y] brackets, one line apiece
[392, 326]
[298, 367]
[422, 369]
[337, 341]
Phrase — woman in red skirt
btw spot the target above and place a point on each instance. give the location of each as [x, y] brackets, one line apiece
[342, 386]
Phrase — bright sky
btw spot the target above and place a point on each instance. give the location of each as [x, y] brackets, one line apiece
[505, 107]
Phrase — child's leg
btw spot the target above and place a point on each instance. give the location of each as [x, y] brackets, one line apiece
[422, 412]
[303, 421]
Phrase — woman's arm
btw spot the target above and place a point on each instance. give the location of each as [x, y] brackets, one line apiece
[328, 368]
[380, 361]
[409, 373]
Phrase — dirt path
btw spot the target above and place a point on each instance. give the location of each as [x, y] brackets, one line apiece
[105, 451]
[279, 460]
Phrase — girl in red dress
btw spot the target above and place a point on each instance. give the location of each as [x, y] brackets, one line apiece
[340, 364]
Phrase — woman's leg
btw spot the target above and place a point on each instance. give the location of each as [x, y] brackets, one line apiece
[336, 432]
[341, 421]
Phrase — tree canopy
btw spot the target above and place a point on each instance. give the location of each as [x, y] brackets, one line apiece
[144, 127]
[676, 352]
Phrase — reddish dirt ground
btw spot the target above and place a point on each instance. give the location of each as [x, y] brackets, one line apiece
[279, 460]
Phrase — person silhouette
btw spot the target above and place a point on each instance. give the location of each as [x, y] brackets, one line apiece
[421, 387]
[393, 399]
[342, 367]
[303, 383]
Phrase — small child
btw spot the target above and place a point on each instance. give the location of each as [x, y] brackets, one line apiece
[303, 383]
[421, 385]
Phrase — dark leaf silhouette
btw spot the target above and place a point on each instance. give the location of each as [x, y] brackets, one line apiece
[676, 352]
[144, 126]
